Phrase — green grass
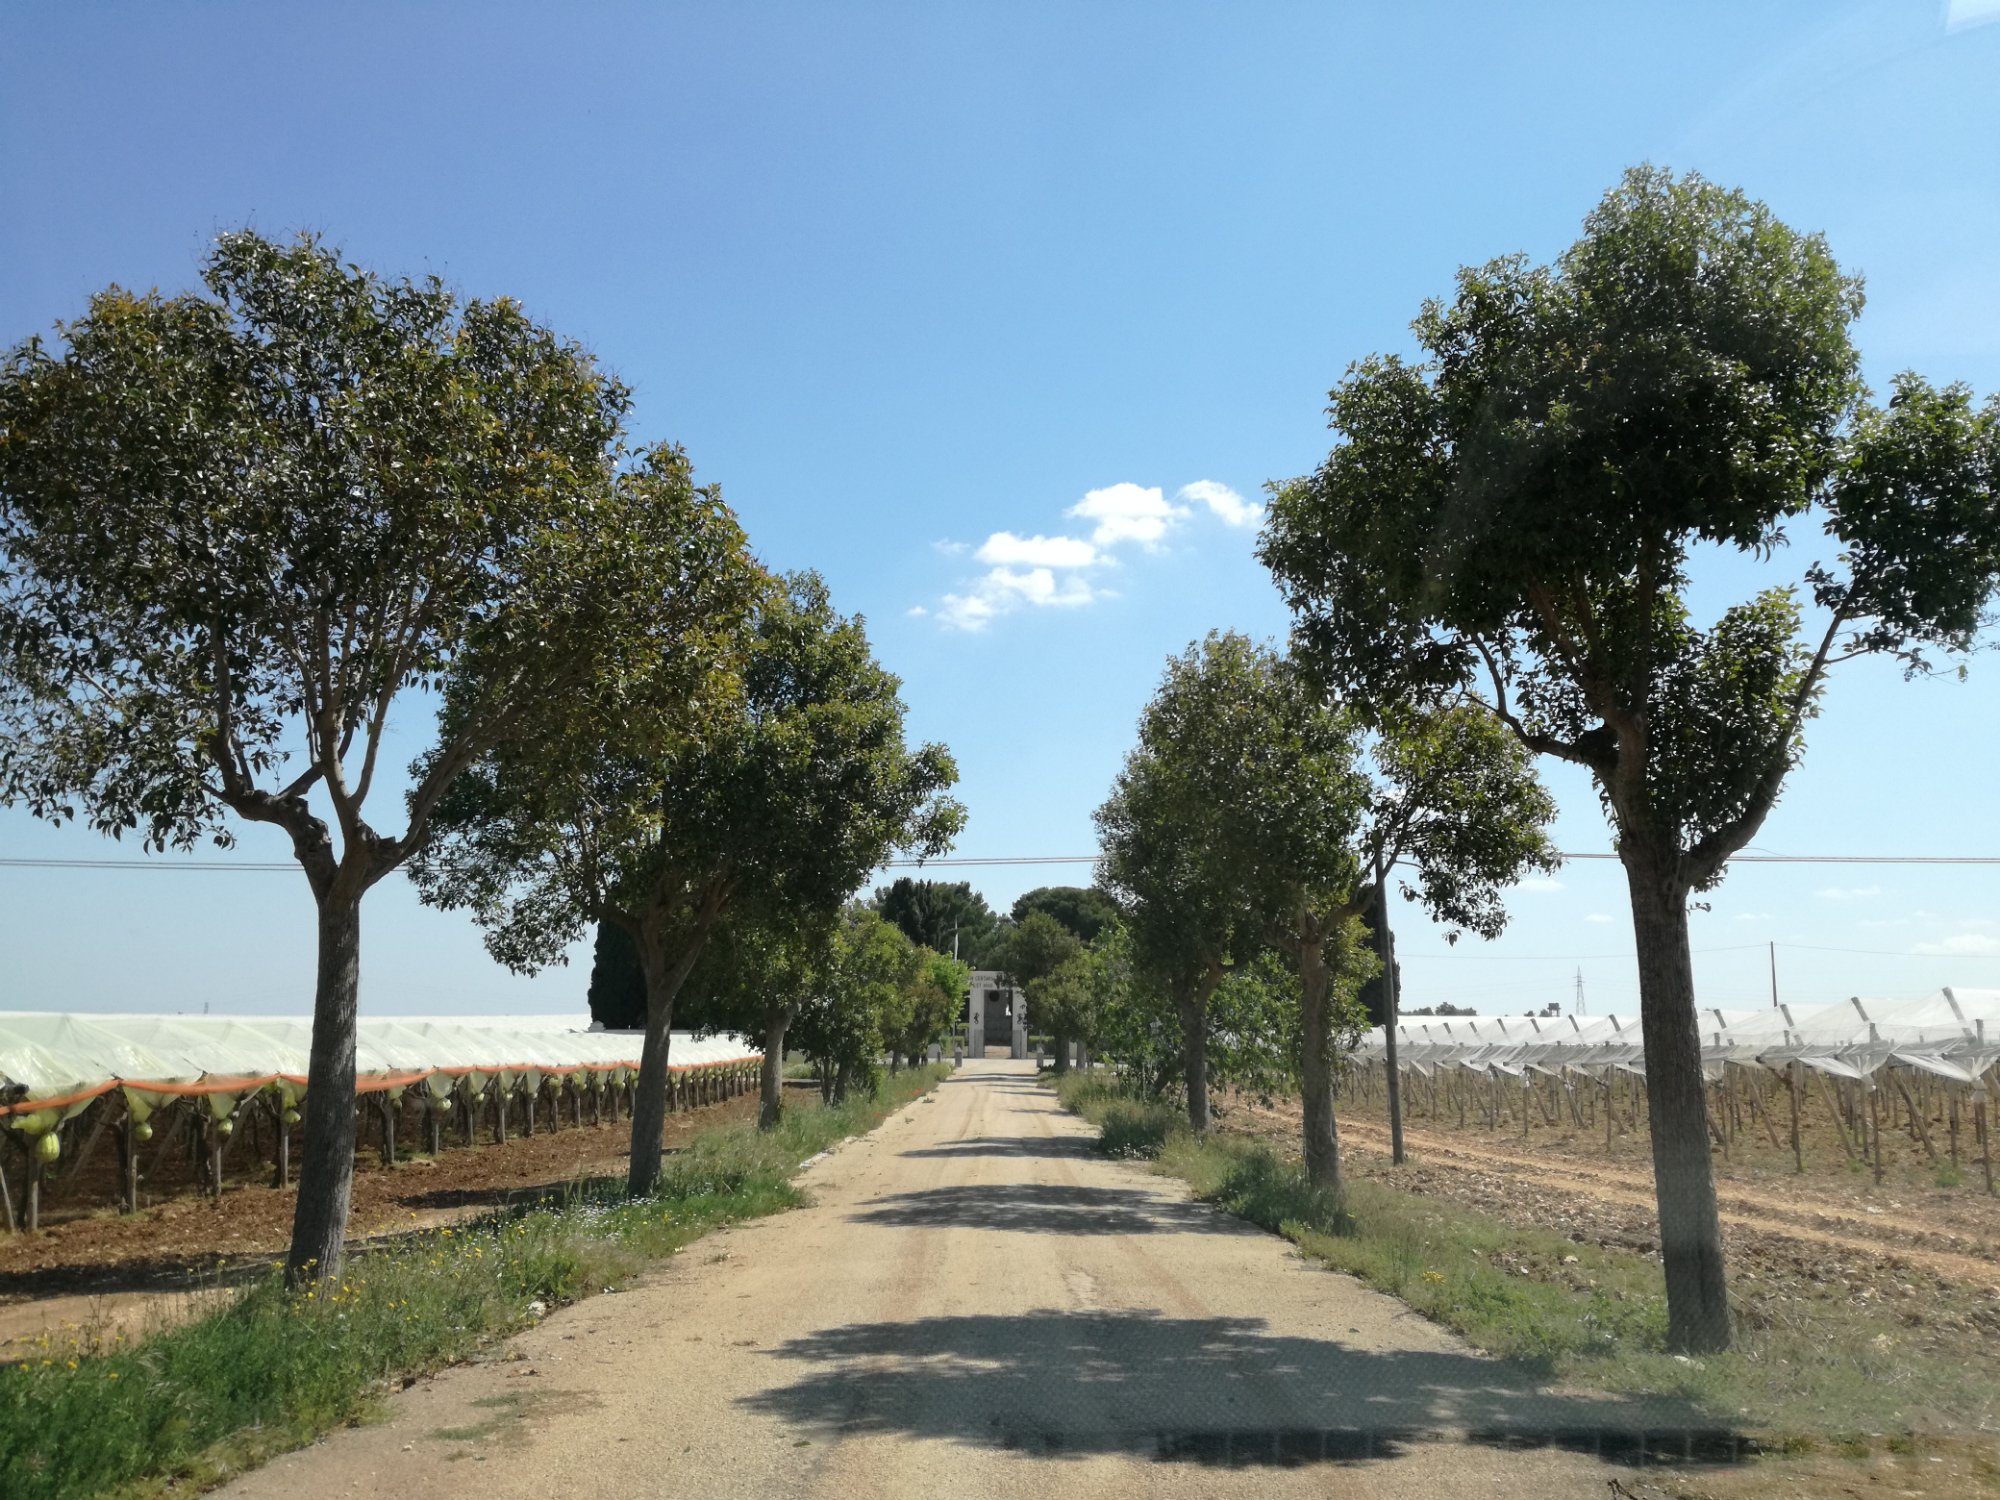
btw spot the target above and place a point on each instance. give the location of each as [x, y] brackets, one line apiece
[274, 1370]
[1831, 1372]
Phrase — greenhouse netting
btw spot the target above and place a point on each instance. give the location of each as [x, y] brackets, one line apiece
[51, 1061]
[1953, 1035]
[67, 1082]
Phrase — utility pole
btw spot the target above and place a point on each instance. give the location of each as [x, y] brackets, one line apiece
[1386, 946]
[1580, 1008]
[1774, 976]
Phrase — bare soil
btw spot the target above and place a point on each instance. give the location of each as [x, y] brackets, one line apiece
[1794, 1242]
[92, 1267]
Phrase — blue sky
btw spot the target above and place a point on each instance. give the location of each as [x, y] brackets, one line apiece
[1001, 316]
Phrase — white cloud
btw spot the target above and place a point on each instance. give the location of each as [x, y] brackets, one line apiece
[1963, 944]
[1847, 892]
[1040, 571]
[1597, 916]
[1003, 590]
[1127, 513]
[1538, 885]
[1963, 15]
[1223, 502]
[1003, 547]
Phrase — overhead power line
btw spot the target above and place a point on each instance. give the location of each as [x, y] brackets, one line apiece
[252, 866]
[956, 862]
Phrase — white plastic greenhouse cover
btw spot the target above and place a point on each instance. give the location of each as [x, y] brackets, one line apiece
[52, 1060]
[1954, 1034]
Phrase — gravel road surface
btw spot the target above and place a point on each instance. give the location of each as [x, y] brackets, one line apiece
[979, 1305]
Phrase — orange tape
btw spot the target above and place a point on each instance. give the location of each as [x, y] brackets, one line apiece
[365, 1083]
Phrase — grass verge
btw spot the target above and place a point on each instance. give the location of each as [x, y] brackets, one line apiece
[274, 1370]
[1844, 1379]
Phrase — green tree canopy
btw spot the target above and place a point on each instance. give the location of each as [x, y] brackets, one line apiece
[1303, 809]
[1182, 864]
[756, 973]
[871, 969]
[945, 916]
[1084, 910]
[1518, 514]
[1036, 947]
[1132, 1019]
[932, 1001]
[237, 525]
[780, 797]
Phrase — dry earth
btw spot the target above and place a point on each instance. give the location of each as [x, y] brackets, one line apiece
[1792, 1245]
[126, 1273]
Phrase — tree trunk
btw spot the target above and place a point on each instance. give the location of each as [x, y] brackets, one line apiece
[649, 1097]
[1194, 1053]
[1392, 1067]
[1322, 1134]
[326, 1166]
[1677, 1106]
[771, 1080]
[1062, 1053]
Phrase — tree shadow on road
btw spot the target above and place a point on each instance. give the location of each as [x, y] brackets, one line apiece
[1210, 1391]
[1043, 1208]
[1070, 1148]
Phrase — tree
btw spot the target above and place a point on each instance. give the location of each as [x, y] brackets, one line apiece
[945, 916]
[777, 797]
[1451, 799]
[754, 977]
[1313, 812]
[617, 995]
[1036, 948]
[236, 527]
[871, 965]
[933, 999]
[1174, 858]
[1519, 513]
[1084, 910]
[1064, 1001]
[1132, 1021]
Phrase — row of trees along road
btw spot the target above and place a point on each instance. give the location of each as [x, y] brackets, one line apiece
[1254, 815]
[236, 528]
[1515, 517]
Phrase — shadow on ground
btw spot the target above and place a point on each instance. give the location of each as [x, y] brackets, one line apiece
[1213, 1391]
[1036, 1208]
[1072, 1148]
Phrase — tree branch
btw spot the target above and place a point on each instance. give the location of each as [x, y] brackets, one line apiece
[1541, 744]
[1711, 852]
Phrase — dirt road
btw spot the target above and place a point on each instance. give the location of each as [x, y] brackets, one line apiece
[979, 1305]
